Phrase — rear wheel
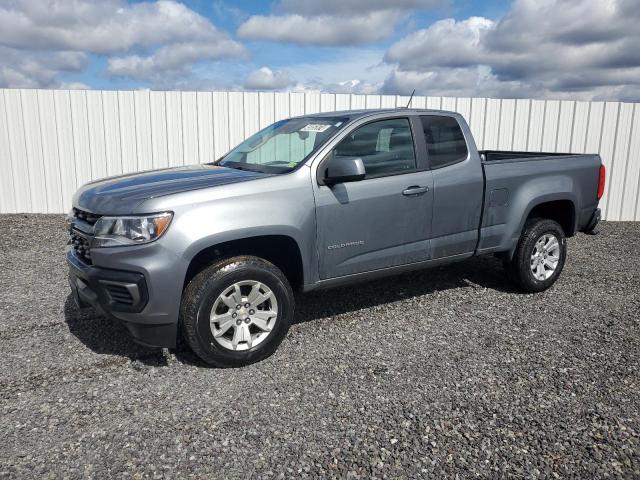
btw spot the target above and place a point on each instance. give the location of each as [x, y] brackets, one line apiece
[237, 311]
[539, 257]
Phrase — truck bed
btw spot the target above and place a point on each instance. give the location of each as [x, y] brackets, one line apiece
[515, 181]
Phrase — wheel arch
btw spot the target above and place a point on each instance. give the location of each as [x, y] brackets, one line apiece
[562, 211]
[560, 207]
[281, 250]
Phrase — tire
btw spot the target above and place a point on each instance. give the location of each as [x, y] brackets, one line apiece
[216, 286]
[519, 268]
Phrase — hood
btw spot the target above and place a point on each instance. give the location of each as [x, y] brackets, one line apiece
[120, 195]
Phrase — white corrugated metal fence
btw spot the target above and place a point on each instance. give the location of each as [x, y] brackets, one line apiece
[53, 141]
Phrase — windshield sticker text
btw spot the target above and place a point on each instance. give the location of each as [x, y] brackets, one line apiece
[314, 127]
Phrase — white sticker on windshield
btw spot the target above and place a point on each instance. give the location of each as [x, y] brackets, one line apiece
[315, 127]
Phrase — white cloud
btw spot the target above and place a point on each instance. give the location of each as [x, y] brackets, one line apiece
[74, 86]
[331, 22]
[445, 43]
[222, 10]
[356, 70]
[266, 79]
[341, 7]
[455, 82]
[321, 30]
[156, 37]
[552, 48]
[544, 48]
[102, 27]
[172, 60]
[35, 69]
[347, 86]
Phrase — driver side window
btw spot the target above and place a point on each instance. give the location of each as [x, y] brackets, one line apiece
[385, 147]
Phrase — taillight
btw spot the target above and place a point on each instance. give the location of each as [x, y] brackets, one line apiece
[601, 181]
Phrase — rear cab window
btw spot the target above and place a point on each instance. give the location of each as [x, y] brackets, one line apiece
[446, 144]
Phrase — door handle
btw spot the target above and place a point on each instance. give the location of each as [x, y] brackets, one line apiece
[415, 190]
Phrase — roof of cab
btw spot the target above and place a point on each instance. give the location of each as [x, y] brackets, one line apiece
[353, 114]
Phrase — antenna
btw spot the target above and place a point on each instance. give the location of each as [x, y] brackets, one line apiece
[410, 98]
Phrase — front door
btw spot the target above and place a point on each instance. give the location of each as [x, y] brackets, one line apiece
[383, 220]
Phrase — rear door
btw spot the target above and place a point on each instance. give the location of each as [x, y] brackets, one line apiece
[458, 185]
[383, 220]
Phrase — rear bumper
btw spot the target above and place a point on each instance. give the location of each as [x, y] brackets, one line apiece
[120, 295]
[593, 222]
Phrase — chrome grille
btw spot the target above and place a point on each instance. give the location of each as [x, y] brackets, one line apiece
[80, 246]
[90, 218]
[81, 232]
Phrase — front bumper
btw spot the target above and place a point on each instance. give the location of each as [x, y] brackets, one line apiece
[124, 296]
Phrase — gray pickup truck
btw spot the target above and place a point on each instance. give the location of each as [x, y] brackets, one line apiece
[213, 252]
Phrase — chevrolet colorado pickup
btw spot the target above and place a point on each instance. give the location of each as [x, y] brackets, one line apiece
[213, 252]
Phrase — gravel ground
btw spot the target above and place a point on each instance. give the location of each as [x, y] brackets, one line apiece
[446, 372]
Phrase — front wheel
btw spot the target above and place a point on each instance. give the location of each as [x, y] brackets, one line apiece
[539, 257]
[236, 311]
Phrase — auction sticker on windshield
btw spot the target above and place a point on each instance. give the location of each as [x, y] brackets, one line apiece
[315, 127]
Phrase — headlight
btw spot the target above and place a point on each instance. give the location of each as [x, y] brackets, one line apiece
[134, 230]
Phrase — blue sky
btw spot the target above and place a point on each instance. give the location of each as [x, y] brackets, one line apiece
[584, 49]
[228, 16]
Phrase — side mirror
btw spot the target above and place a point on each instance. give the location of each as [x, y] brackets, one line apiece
[344, 169]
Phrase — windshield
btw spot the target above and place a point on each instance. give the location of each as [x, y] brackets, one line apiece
[283, 146]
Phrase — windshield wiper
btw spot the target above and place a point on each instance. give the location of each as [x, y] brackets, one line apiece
[237, 166]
